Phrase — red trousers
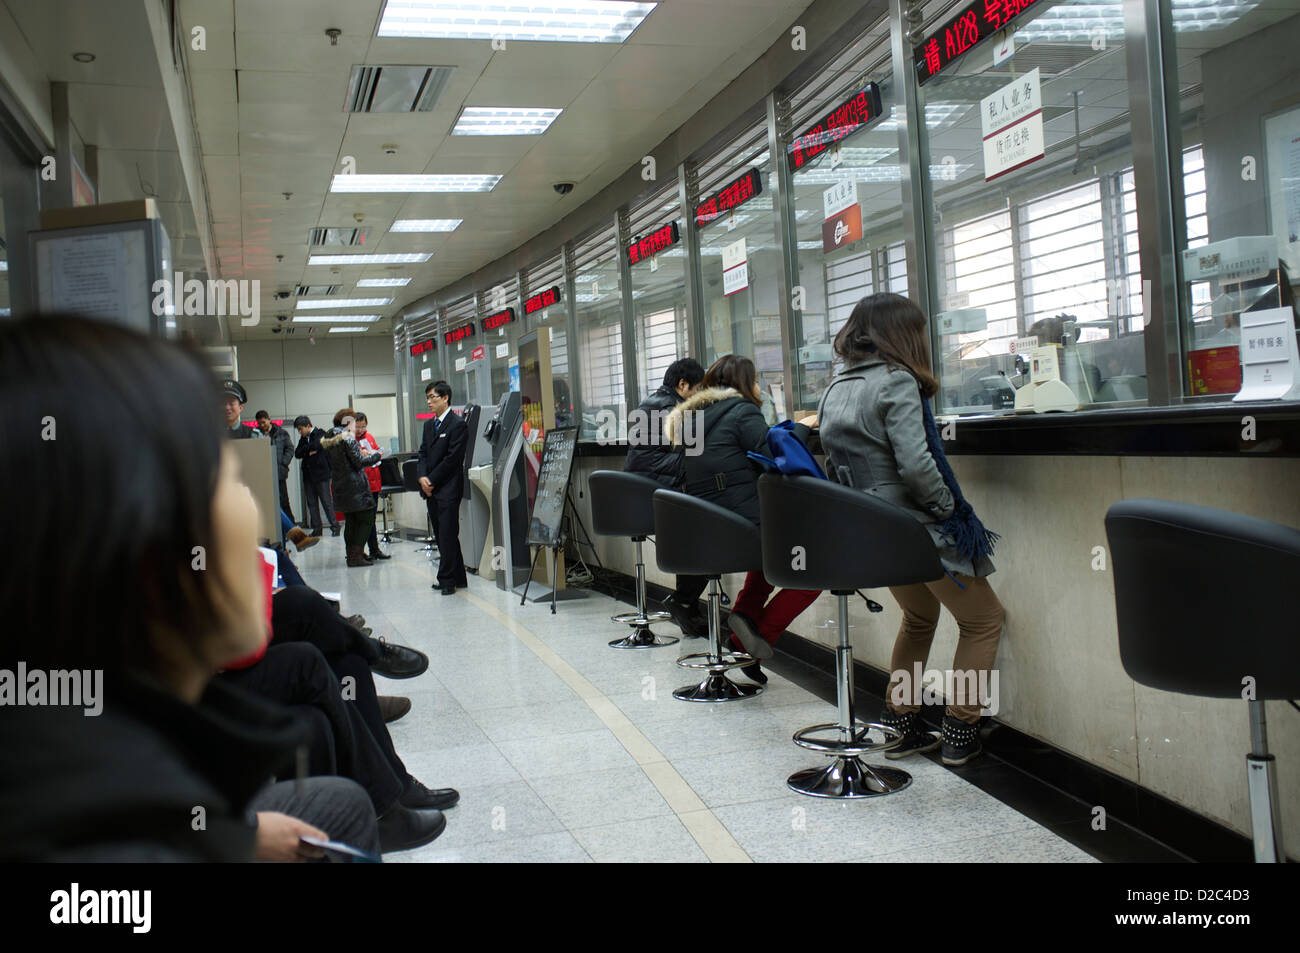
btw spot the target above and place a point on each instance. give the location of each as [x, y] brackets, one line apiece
[775, 617]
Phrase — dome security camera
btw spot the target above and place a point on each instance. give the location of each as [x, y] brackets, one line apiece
[282, 295]
[282, 317]
[564, 188]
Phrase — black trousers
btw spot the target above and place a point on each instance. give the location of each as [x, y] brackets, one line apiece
[445, 516]
[337, 806]
[320, 493]
[689, 589]
[374, 526]
[284, 498]
[296, 674]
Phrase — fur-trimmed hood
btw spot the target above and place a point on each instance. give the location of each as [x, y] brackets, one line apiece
[696, 402]
[335, 437]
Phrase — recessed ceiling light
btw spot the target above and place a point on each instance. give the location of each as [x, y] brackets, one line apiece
[425, 225]
[570, 21]
[503, 121]
[356, 330]
[413, 183]
[414, 258]
[84, 57]
[334, 304]
[339, 318]
[383, 282]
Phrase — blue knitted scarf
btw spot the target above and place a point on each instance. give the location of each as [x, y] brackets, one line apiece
[964, 528]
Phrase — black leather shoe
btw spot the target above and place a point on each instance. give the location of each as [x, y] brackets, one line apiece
[335, 530]
[377, 554]
[398, 661]
[755, 673]
[402, 828]
[684, 619]
[419, 797]
[448, 590]
[743, 628]
[318, 532]
[393, 707]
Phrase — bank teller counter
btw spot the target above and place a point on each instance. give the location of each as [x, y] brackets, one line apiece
[1045, 482]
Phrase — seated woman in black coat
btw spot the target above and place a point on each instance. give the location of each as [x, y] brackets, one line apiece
[164, 591]
[718, 426]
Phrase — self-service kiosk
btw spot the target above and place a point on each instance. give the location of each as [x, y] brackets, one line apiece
[509, 493]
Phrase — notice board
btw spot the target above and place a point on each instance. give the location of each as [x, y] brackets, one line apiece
[552, 487]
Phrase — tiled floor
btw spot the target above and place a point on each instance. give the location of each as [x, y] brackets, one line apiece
[566, 750]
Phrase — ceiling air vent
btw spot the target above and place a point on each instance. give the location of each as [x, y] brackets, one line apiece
[303, 291]
[396, 89]
[337, 236]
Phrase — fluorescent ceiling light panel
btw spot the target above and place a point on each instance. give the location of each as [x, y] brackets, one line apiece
[569, 21]
[504, 121]
[383, 283]
[356, 330]
[413, 183]
[334, 304]
[426, 224]
[413, 258]
[340, 318]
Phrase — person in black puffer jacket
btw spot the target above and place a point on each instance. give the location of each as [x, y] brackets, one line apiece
[717, 427]
[650, 455]
[349, 485]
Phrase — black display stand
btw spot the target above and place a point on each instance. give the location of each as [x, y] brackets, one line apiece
[546, 525]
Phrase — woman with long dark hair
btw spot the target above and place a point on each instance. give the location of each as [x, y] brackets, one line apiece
[724, 422]
[348, 483]
[880, 436]
[140, 578]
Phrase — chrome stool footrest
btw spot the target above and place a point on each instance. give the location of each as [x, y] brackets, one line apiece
[848, 777]
[713, 663]
[636, 618]
[857, 743]
[643, 638]
[716, 687]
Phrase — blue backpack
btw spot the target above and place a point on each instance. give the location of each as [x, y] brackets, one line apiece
[789, 455]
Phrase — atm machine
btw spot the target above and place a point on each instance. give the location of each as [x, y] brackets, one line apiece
[509, 493]
[473, 503]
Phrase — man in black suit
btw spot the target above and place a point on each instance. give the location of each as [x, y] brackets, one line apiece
[442, 481]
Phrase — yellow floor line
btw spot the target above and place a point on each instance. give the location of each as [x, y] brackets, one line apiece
[709, 832]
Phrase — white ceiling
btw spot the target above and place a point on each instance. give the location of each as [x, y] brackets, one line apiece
[268, 99]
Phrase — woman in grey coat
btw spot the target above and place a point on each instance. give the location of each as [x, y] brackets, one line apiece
[349, 485]
[879, 436]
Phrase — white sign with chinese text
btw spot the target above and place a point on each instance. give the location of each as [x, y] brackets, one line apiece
[460, 363]
[426, 373]
[1270, 362]
[503, 350]
[839, 197]
[1011, 121]
[735, 268]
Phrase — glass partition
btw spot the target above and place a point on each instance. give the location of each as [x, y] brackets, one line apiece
[1239, 118]
[659, 313]
[740, 267]
[1032, 231]
[598, 304]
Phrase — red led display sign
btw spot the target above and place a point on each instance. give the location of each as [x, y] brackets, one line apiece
[498, 320]
[653, 243]
[423, 347]
[737, 192]
[458, 334]
[844, 120]
[976, 22]
[543, 300]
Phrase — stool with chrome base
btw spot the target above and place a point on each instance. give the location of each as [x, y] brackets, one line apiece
[820, 535]
[695, 537]
[1204, 600]
[411, 481]
[622, 505]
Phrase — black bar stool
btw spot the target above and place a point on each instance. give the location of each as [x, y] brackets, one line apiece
[390, 481]
[1206, 602]
[411, 480]
[820, 535]
[695, 537]
[622, 505]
